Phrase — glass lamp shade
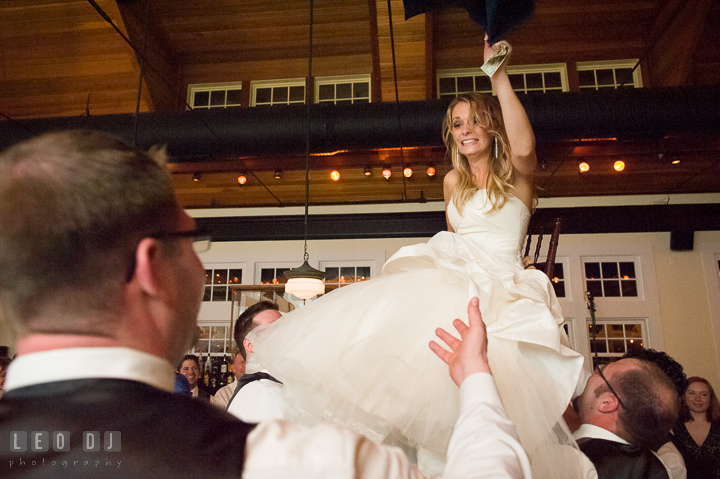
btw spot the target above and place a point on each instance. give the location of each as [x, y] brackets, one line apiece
[304, 288]
[304, 282]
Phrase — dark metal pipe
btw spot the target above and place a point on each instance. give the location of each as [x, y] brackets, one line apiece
[280, 130]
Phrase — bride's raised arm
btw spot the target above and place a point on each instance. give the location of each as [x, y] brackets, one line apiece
[519, 131]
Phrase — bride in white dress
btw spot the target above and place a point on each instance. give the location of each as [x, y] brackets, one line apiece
[359, 356]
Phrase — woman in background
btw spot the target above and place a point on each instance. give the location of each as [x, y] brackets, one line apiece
[697, 434]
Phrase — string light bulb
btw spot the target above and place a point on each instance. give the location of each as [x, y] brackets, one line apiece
[408, 172]
[583, 167]
[619, 165]
[335, 175]
[387, 173]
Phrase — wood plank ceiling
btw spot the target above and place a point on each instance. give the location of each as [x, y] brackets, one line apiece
[61, 58]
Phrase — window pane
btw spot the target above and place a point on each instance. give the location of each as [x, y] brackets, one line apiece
[599, 330]
[220, 276]
[612, 288]
[634, 345]
[627, 269]
[280, 94]
[598, 346]
[297, 93]
[586, 77]
[447, 85]
[592, 270]
[482, 83]
[263, 95]
[217, 346]
[201, 98]
[517, 81]
[326, 92]
[205, 332]
[534, 80]
[280, 275]
[361, 90]
[208, 276]
[347, 275]
[553, 80]
[234, 97]
[629, 288]
[609, 270]
[624, 75]
[595, 288]
[605, 77]
[235, 276]
[616, 345]
[559, 288]
[464, 84]
[331, 275]
[363, 273]
[558, 271]
[217, 98]
[633, 331]
[267, 275]
[219, 293]
[202, 346]
[208, 293]
[615, 330]
[218, 332]
[344, 90]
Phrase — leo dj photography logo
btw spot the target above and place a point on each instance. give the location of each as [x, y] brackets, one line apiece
[59, 441]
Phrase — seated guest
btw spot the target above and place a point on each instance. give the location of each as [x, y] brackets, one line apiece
[190, 368]
[108, 302]
[624, 409]
[222, 397]
[697, 433]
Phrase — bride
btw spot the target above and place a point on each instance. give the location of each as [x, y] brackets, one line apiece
[359, 356]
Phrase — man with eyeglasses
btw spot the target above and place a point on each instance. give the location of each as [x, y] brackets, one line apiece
[101, 282]
[625, 409]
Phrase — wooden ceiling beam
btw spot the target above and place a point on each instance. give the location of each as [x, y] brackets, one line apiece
[676, 34]
[161, 71]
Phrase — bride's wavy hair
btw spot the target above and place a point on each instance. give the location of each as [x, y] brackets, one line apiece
[486, 112]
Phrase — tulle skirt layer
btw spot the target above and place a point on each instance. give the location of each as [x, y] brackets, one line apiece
[359, 356]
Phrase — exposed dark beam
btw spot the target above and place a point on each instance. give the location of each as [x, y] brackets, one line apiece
[376, 78]
[588, 220]
[161, 73]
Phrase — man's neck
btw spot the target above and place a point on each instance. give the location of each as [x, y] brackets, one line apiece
[35, 343]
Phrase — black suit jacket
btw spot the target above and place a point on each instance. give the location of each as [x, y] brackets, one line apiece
[614, 460]
[162, 434]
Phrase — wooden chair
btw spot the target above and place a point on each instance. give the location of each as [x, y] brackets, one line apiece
[548, 266]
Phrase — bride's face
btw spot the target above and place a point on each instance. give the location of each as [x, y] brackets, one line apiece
[471, 139]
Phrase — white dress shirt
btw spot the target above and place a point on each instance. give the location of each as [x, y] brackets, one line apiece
[223, 395]
[483, 445]
[261, 400]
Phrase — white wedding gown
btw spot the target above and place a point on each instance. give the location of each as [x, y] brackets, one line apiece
[359, 356]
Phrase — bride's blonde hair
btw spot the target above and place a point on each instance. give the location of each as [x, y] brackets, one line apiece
[485, 111]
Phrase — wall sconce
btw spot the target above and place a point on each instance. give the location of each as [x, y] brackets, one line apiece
[368, 171]
[335, 175]
[277, 175]
[242, 179]
[584, 167]
[430, 171]
[387, 173]
[619, 165]
[196, 176]
[408, 172]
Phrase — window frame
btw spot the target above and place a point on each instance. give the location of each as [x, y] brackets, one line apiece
[512, 70]
[285, 82]
[644, 328]
[334, 80]
[614, 64]
[210, 87]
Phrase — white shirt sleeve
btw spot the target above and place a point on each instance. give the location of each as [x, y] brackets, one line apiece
[259, 401]
[483, 445]
[673, 460]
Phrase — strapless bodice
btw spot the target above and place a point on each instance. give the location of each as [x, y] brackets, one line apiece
[501, 232]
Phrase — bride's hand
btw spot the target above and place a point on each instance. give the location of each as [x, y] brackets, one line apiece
[469, 354]
[490, 50]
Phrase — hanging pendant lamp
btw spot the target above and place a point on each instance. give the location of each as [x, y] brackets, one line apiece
[305, 282]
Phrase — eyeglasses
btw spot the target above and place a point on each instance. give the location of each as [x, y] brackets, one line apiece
[599, 369]
[200, 238]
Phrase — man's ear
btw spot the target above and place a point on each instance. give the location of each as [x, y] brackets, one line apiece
[607, 403]
[148, 267]
[248, 345]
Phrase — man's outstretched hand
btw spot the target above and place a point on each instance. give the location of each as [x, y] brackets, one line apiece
[469, 353]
